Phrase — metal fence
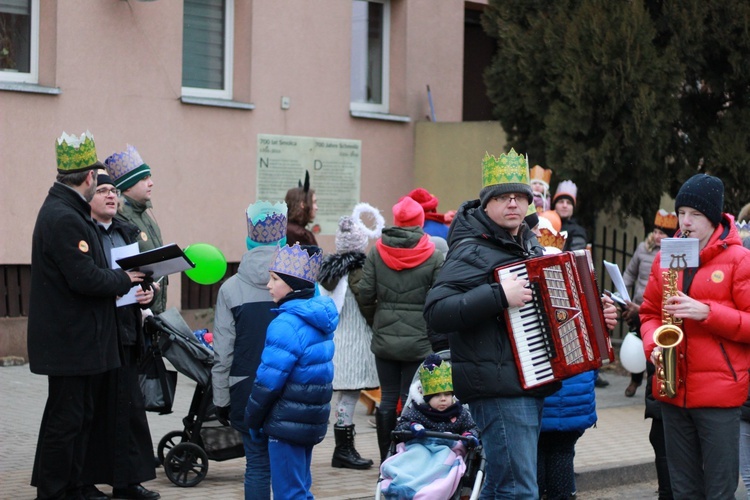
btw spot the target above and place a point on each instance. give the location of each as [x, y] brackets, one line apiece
[615, 246]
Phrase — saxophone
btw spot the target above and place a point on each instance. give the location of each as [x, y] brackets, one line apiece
[669, 335]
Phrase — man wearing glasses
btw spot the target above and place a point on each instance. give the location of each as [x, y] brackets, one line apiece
[120, 451]
[465, 302]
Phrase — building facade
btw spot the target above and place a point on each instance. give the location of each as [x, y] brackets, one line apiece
[192, 84]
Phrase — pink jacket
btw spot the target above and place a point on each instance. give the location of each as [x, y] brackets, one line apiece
[715, 356]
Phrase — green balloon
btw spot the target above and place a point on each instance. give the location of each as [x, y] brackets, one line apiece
[210, 263]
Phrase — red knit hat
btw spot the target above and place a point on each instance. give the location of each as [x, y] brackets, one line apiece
[428, 201]
[408, 212]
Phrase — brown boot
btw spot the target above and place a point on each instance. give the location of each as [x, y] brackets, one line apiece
[630, 390]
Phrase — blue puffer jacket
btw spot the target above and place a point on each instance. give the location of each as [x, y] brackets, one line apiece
[291, 396]
[573, 407]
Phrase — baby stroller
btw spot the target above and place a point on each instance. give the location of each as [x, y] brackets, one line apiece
[185, 453]
[470, 483]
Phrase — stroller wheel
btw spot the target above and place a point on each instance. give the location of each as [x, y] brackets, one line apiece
[186, 464]
[169, 441]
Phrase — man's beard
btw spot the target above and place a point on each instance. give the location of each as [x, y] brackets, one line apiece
[90, 192]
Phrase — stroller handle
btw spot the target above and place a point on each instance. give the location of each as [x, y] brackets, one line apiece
[406, 435]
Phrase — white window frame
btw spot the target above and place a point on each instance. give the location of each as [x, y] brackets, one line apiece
[33, 75]
[227, 92]
[382, 107]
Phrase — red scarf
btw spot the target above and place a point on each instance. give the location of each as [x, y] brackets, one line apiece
[399, 259]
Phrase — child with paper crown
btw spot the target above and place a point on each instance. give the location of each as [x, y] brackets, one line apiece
[411, 472]
[291, 397]
[433, 406]
[241, 317]
[353, 361]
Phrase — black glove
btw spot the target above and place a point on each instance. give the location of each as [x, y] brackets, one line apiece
[222, 414]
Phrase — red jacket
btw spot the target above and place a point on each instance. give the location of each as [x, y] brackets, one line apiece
[714, 356]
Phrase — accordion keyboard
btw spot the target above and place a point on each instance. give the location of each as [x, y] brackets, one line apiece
[531, 334]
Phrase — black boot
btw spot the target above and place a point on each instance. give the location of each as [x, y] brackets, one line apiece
[386, 422]
[345, 455]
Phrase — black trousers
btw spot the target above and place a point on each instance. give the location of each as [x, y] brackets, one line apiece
[63, 437]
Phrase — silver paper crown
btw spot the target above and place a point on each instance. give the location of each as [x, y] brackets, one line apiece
[266, 222]
[295, 261]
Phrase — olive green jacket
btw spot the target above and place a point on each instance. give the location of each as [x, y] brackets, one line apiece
[148, 239]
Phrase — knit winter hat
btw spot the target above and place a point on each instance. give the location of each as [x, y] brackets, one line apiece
[126, 168]
[435, 376]
[102, 179]
[566, 189]
[428, 201]
[349, 236]
[407, 213]
[704, 193]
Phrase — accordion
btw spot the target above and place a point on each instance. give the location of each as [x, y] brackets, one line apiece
[561, 331]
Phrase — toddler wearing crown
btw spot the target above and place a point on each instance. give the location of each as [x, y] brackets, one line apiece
[290, 400]
[411, 473]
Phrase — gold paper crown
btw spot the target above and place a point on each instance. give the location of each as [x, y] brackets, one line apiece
[508, 168]
[436, 378]
[549, 239]
[667, 220]
[541, 174]
[76, 154]
[295, 261]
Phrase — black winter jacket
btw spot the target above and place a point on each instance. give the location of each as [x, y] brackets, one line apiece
[468, 304]
[72, 329]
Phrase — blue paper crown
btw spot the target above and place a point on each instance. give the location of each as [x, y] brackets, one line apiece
[266, 224]
[295, 261]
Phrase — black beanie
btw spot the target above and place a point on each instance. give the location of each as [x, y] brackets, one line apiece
[704, 193]
[294, 282]
[103, 179]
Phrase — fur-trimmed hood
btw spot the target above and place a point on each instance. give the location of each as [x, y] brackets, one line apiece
[336, 266]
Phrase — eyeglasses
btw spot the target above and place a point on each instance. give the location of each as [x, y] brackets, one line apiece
[506, 198]
[108, 191]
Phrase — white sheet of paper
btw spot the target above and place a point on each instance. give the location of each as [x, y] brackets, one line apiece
[119, 253]
[679, 252]
[614, 273]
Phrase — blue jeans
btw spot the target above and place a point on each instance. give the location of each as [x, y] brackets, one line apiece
[290, 470]
[257, 468]
[509, 428]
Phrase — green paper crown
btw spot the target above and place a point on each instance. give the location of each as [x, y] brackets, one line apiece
[76, 154]
[439, 379]
[508, 168]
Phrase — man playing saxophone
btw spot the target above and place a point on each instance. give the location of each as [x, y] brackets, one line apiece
[702, 410]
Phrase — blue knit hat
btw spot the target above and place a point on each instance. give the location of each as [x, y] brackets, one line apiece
[704, 193]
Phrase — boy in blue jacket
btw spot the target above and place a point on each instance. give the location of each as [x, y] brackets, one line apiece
[291, 395]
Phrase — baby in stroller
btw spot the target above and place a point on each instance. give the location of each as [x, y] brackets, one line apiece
[431, 465]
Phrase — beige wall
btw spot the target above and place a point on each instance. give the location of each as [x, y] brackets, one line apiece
[117, 64]
[448, 158]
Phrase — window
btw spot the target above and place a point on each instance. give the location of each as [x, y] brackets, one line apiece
[370, 48]
[19, 41]
[207, 48]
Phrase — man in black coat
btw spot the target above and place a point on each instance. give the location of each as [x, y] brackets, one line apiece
[468, 304]
[120, 451]
[72, 329]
